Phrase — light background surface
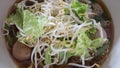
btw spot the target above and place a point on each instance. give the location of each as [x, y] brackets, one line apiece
[112, 62]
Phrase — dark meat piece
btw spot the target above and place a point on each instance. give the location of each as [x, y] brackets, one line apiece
[21, 52]
[91, 16]
[60, 66]
[39, 1]
[11, 38]
[85, 1]
[97, 9]
[29, 3]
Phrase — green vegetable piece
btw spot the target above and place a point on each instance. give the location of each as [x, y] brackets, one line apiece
[47, 56]
[92, 31]
[68, 55]
[17, 18]
[61, 56]
[75, 4]
[102, 50]
[79, 9]
[30, 25]
[97, 42]
[84, 43]
[33, 26]
[67, 12]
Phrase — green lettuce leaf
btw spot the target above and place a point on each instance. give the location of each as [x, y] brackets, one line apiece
[97, 43]
[91, 32]
[31, 27]
[17, 18]
[84, 43]
[79, 9]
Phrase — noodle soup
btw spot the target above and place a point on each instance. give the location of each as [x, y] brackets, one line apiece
[59, 33]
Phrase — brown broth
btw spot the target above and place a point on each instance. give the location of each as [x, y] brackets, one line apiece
[110, 32]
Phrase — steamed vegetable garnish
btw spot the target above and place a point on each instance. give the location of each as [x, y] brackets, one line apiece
[56, 31]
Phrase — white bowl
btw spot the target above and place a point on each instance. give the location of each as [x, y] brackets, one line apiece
[112, 62]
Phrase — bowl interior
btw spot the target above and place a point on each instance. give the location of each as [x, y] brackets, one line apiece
[112, 5]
